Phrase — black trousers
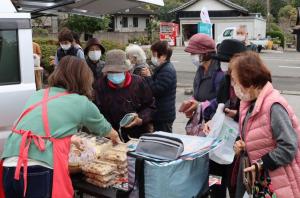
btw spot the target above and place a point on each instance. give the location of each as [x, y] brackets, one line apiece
[39, 182]
[163, 126]
[219, 191]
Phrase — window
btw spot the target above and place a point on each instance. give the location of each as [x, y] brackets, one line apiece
[124, 22]
[135, 22]
[228, 33]
[9, 57]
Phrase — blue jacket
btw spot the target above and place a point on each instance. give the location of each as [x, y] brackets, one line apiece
[163, 84]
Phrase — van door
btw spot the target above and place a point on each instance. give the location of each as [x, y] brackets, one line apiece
[16, 69]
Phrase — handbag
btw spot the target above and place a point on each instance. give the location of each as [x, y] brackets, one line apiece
[195, 124]
[247, 176]
[262, 186]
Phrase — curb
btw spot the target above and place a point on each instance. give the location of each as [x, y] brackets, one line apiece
[286, 92]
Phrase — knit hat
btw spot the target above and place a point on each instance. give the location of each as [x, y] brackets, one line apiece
[116, 61]
[228, 48]
[93, 41]
[200, 44]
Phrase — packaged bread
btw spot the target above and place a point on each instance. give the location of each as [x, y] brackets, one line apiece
[114, 155]
[98, 168]
[101, 178]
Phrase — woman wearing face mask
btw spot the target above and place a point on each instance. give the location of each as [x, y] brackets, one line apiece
[208, 75]
[66, 39]
[93, 51]
[163, 85]
[269, 128]
[227, 49]
[121, 92]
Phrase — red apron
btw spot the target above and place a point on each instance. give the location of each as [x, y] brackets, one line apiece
[62, 185]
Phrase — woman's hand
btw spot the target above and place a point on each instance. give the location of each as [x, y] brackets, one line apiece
[239, 146]
[253, 171]
[136, 122]
[189, 107]
[231, 113]
[206, 128]
[114, 136]
[145, 72]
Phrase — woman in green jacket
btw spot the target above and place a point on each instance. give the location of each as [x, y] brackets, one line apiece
[36, 152]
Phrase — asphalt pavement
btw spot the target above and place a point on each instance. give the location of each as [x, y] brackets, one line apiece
[285, 68]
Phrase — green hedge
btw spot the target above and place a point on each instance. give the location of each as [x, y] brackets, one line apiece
[109, 45]
[48, 48]
[277, 34]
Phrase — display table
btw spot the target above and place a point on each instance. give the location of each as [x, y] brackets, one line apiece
[82, 187]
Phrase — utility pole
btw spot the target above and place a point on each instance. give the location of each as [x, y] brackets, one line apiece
[268, 14]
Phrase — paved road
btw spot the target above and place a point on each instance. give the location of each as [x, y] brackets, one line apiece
[285, 68]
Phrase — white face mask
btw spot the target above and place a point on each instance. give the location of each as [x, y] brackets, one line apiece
[154, 61]
[239, 93]
[94, 55]
[224, 66]
[241, 38]
[65, 47]
[195, 60]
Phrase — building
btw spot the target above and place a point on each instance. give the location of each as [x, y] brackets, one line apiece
[296, 29]
[131, 20]
[223, 14]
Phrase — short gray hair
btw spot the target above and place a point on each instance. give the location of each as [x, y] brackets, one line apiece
[137, 52]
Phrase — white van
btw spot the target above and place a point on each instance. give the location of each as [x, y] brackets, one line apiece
[17, 81]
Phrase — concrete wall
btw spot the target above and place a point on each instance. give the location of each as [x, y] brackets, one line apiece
[209, 4]
[141, 24]
[119, 37]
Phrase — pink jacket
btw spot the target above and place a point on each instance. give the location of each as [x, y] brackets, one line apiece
[258, 139]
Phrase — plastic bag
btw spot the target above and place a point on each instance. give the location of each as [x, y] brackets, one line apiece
[226, 129]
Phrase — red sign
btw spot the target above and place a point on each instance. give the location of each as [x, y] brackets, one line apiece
[169, 32]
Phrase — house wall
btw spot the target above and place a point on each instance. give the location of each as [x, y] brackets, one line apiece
[208, 4]
[141, 24]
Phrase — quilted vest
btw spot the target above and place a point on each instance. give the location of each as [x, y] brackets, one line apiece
[259, 141]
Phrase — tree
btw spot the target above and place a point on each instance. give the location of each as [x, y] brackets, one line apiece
[254, 6]
[163, 12]
[89, 25]
[276, 5]
[288, 15]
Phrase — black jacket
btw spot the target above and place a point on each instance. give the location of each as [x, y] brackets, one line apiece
[62, 53]
[163, 84]
[96, 68]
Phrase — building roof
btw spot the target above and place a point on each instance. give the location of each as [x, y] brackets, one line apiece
[225, 2]
[135, 11]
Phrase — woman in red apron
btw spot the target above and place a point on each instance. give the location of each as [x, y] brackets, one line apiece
[36, 153]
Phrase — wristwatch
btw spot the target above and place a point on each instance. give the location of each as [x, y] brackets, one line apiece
[260, 163]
